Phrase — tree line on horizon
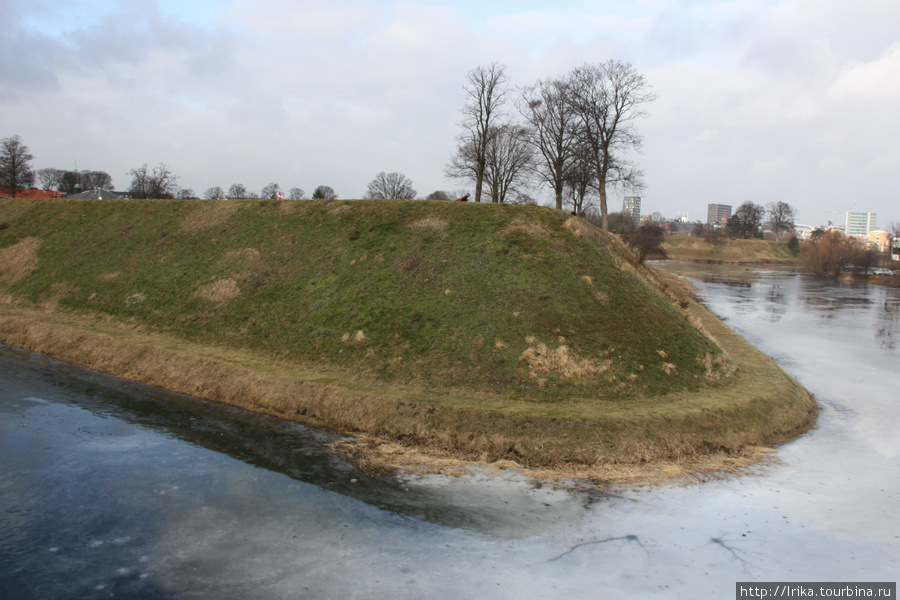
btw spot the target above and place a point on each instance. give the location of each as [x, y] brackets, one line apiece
[573, 133]
[16, 175]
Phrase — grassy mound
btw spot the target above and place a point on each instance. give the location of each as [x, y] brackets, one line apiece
[479, 330]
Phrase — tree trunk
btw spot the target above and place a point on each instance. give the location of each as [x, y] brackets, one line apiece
[479, 183]
[604, 213]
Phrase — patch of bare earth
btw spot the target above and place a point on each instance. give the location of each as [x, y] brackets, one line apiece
[219, 291]
[527, 226]
[430, 223]
[560, 361]
[245, 257]
[209, 215]
[19, 260]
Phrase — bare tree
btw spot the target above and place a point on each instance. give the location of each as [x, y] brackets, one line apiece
[237, 190]
[829, 254]
[715, 237]
[486, 93]
[509, 160]
[391, 185]
[159, 182]
[746, 220]
[781, 216]
[100, 180]
[894, 228]
[464, 164]
[214, 193]
[621, 223]
[607, 99]
[270, 192]
[549, 114]
[438, 195]
[698, 229]
[296, 194]
[70, 182]
[49, 178]
[96, 180]
[324, 192]
[186, 194]
[15, 167]
[647, 240]
[579, 180]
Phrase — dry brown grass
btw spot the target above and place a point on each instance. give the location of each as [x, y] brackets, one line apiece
[377, 456]
[408, 262]
[731, 251]
[246, 258]
[717, 368]
[601, 297]
[219, 291]
[19, 260]
[337, 211]
[208, 215]
[431, 223]
[560, 361]
[533, 228]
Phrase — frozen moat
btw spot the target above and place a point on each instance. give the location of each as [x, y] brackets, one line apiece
[114, 490]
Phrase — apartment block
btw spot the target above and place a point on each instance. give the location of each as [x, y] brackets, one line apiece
[718, 214]
[632, 205]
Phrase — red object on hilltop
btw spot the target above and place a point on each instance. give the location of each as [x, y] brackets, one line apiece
[31, 194]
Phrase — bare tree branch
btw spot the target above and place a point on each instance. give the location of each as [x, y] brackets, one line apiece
[391, 185]
[486, 92]
[607, 98]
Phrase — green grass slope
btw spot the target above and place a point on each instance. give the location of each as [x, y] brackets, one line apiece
[481, 297]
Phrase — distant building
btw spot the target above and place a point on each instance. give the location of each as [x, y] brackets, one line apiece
[803, 232]
[98, 195]
[881, 239]
[632, 205]
[859, 224]
[718, 214]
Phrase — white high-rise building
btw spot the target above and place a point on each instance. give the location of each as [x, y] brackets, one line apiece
[859, 224]
[632, 205]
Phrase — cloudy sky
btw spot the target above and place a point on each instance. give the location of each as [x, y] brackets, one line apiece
[794, 100]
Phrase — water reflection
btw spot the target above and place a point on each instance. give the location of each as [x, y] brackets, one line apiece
[264, 442]
[773, 292]
[828, 297]
[888, 322]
